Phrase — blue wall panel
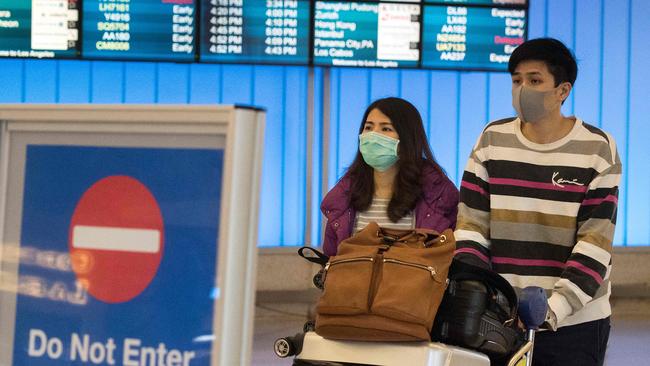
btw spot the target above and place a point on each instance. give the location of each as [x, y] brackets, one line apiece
[537, 21]
[316, 193]
[107, 82]
[353, 98]
[472, 115]
[610, 39]
[295, 152]
[282, 90]
[414, 87]
[238, 84]
[41, 79]
[637, 151]
[443, 115]
[140, 80]
[332, 147]
[173, 83]
[268, 91]
[205, 84]
[11, 81]
[500, 101]
[560, 25]
[588, 52]
[383, 83]
[74, 81]
[615, 88]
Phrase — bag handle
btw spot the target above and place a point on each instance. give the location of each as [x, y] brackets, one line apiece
[316, 256]
[391, 237]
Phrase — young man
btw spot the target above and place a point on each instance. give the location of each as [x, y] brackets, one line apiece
[538, 205]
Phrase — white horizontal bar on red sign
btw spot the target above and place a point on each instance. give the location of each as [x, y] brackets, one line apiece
[116, 239]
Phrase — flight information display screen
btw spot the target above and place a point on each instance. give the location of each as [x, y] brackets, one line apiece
[139, 29]
[39, 28]
[436, 34]
[471, 37]
[480, 2]
[262, 31]
[350, 33]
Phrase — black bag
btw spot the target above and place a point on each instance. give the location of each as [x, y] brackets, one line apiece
[478, 311]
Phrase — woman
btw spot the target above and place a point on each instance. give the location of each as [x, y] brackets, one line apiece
[394, 179]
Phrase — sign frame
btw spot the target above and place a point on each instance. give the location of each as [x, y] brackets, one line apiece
[240, 130]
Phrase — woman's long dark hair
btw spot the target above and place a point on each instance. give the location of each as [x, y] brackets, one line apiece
[414, 155]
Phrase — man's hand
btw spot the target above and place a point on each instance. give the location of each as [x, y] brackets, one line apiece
[550, 322]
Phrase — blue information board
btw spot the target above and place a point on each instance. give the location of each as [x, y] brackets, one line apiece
[471, 37]
[139, 30]
[60, 319]
[272, 32]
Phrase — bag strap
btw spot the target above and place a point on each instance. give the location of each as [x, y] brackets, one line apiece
[315, 256]
[460, 271]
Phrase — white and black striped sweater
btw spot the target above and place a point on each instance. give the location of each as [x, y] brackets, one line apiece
[544, 214]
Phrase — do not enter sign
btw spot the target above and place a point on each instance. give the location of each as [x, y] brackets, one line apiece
[116, 239]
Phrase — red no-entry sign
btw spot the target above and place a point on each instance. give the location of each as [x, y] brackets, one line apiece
[116, 239]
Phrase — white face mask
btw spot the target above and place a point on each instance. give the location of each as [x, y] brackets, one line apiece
[531, 105]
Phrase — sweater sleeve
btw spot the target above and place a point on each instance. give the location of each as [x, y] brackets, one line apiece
[472, 227]
[589, 264]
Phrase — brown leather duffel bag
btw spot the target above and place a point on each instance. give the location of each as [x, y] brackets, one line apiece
[385, 285]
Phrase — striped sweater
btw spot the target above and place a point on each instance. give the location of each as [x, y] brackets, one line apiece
[543, 214]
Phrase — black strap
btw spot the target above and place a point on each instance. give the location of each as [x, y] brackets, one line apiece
[461, 271]
[315, 256]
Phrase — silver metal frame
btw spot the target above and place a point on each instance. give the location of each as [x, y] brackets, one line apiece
[240, 131]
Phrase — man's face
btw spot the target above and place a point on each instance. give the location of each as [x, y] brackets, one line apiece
[536, 75]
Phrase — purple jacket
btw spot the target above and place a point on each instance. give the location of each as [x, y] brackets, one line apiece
[436, 209]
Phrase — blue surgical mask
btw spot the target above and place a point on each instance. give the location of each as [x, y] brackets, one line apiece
[379, 151]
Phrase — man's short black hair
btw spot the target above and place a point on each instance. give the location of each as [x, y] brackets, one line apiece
[557, 57]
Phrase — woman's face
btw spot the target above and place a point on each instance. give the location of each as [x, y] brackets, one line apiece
[380, 123]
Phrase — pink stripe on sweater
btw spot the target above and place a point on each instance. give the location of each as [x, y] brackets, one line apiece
[473, 187]
[586, 270]
[474, 252]
[528, 262]
[549, 263]
[538, 185]
[598, 201]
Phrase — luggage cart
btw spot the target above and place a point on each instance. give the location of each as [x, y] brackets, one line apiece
[309, 349]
